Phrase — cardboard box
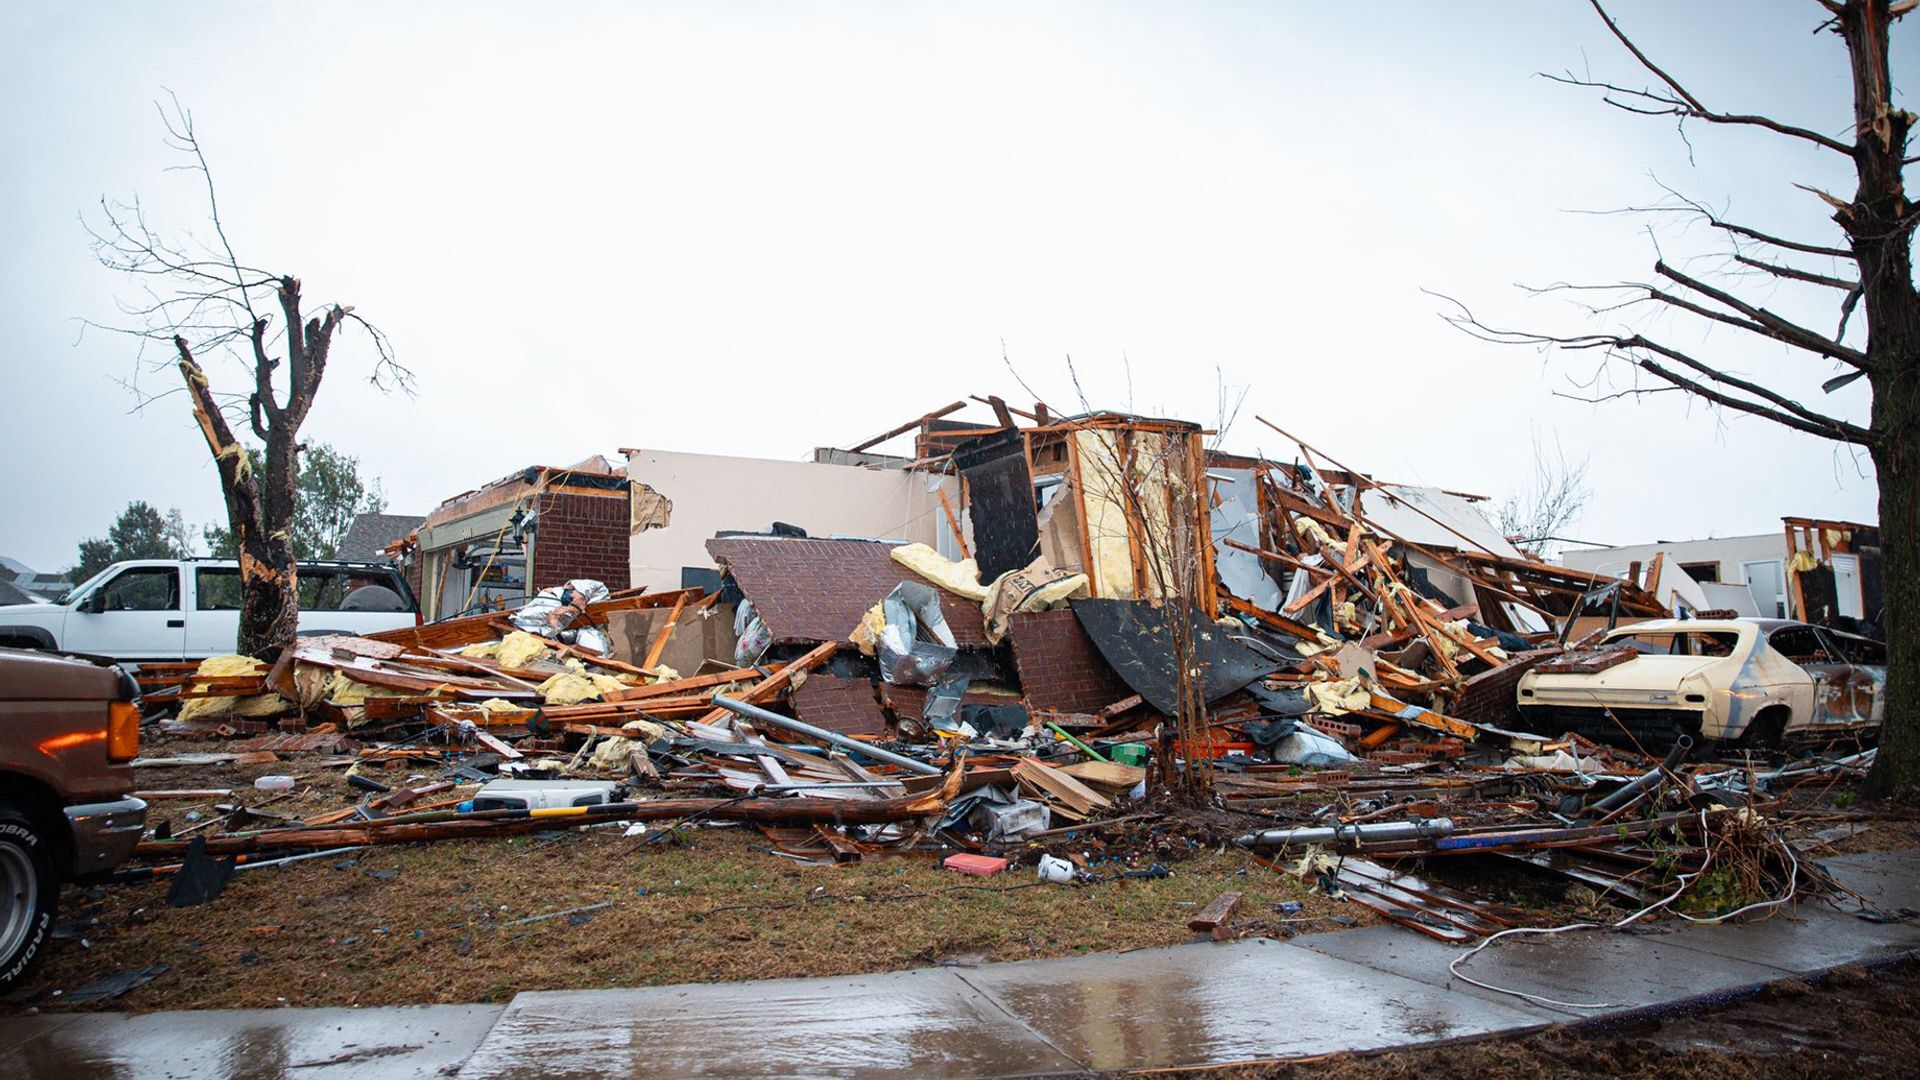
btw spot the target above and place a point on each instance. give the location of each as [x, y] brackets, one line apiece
[700, 636]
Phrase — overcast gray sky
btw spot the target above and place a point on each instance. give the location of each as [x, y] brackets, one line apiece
[754, 228]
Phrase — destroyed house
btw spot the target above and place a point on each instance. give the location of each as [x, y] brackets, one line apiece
[1107, 508]
[502, 543]
[1032, 567]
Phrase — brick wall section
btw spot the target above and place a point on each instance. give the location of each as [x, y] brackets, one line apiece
[847, 706]
[1490, 697]
[817, 590]
[581, 536]
[1060, 669]
[910, 702]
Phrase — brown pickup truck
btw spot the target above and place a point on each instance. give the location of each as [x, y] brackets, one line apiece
[68, 729]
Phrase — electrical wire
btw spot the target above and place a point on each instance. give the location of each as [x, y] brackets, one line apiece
[1685, 880]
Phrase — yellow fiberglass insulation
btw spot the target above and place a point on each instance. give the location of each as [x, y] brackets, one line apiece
[866, 636]
[614, 753]
[572, 688]
[343, 689]
[1343, 696]
[216, 667]
[962, 577]
[520, 649]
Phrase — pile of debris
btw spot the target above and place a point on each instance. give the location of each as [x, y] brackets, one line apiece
[1346, 653]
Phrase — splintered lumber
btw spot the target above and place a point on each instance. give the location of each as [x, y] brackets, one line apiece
[1281, 623]
[771, 686]
[666, 634]
[1427, 718]
[844, 850]
[450, 824]
[1215, 915]
[1058, 786]
[692, 683]
[503, 749]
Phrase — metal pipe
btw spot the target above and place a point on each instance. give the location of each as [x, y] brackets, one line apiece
[1373, 832]
[1645, 782]
[755, 712]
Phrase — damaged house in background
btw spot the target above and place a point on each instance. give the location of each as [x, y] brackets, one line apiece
[1822, 572]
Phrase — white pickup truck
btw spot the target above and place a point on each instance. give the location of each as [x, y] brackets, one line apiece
[153, 610]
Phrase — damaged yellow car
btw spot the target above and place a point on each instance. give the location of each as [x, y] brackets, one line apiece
[1753, 683]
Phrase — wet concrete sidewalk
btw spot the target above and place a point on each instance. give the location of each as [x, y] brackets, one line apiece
[1370, 989]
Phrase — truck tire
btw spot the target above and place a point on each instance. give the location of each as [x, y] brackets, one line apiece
[29, 890]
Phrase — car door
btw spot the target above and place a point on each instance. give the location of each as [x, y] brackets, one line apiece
[1853, 693]
[213, 627]
[1836, 700]
[134, 615]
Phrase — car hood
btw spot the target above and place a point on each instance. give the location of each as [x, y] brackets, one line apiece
[36, 611]
[38, 676]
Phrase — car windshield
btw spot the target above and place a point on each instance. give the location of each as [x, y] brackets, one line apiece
[81, 589]
[1679, 642]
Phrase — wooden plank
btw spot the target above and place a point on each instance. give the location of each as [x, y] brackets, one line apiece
[504, 749]
[681, 687]
[1214, 916]
[1063, 788]
[909, 426]
[1426, 718]
[953, 522]
[1106, 775]
[473, 629]
[666, 634]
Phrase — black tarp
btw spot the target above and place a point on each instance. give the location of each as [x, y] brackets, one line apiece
[1135, 638]
[1006, 533]
[1873, 597]
[1817, 594]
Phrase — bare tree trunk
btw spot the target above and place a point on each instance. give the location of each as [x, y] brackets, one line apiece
[1879, 226]
[1896, 766]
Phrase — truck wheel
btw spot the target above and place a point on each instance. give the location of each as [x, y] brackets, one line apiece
[29, 889]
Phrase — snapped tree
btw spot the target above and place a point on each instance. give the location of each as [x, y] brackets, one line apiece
[201, 303]
[328, 494]
[1868, 270]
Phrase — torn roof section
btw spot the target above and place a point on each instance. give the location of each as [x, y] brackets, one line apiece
[594, 472]
[818, 590]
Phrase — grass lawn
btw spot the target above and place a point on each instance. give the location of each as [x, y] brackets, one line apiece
[434, 923]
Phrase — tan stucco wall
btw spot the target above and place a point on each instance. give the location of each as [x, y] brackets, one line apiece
[711, 493]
